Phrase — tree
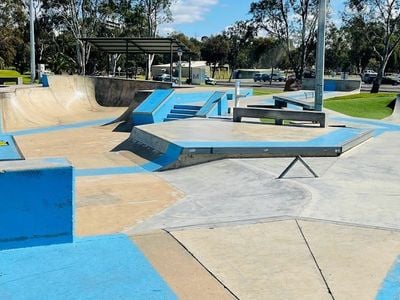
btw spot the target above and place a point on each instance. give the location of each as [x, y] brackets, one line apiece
[360, 52]
[337, 49]
[215, 51]
[12, 25]
[82, 19]
[156, 12]
[239, 36]
[292, 22]
[382, 27]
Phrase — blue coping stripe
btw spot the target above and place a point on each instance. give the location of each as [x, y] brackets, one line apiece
[101, 267]
[9, 151]
[390, 287]
[170, 156]
[378, 126]
[332, 139]
[61, 127]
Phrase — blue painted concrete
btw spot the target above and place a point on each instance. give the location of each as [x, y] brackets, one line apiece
[390, 287]
[45, 80]
[37, 203]
[170, 156]
[153, 101]
[378, 126]
[102, 267]
[332, 139]
[61, 127]
[216, 105]
[157, 107]
[9, 151]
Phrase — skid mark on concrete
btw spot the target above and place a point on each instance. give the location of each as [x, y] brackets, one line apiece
[110, 204]
[103, 267]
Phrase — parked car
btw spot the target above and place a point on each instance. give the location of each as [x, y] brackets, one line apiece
[210, 81]
[368, 76]
[309, 74]
[257, 77]
[390, 80]
[278, 77]
[265, 77]
[165, 78]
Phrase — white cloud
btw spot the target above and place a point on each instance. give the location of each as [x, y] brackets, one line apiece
[190, 11]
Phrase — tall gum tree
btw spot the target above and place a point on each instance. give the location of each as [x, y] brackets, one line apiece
[382, 27]
[293, 23]
[156, 12]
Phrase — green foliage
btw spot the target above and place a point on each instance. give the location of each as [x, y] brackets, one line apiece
[292, 23]
[215, 50]
[262, 92]
[12, 21]
[371, 106]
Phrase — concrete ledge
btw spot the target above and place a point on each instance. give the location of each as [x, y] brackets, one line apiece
[36, 204]
[279, 115]
[333, 84]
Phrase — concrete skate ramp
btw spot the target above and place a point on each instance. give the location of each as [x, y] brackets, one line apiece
[395, 116]
[69, 99]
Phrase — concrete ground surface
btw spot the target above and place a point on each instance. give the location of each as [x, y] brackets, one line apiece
[227, 229]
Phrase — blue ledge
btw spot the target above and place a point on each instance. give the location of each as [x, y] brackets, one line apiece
[8, 148]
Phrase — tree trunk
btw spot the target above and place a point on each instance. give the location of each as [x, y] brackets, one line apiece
[214, 68]
[150, 59]
[232, 70]
[378, 80]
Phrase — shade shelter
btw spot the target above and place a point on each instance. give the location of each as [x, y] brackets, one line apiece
[139, 45]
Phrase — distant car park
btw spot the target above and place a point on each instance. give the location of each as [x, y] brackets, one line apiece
[210, 81]
[278, 77]
[165, 78]
[257, 77]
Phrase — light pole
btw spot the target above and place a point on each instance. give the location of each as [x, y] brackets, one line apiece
[32, 41]
[320, 61]
[180, 52]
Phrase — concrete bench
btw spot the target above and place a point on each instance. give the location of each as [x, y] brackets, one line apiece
[279, 115]
[281, 101]
[16, 80]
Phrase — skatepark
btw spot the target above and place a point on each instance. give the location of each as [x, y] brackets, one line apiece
[165, 197]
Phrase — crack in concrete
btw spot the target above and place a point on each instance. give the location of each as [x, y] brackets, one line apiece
[315, 260]
[201, 264]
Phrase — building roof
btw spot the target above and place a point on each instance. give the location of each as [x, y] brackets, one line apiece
[136, 45]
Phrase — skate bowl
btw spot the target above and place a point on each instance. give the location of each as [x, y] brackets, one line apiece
[70, 99]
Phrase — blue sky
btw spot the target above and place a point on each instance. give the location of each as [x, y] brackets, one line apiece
[197, 18]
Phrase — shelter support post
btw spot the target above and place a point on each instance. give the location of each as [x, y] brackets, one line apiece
[126, 59]
[190, 68]
[171, 60]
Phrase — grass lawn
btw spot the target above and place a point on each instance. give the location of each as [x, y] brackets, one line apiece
[365, 105]
[12, 73]
[261, 92]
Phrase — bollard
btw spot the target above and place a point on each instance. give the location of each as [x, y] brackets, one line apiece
[237, 93]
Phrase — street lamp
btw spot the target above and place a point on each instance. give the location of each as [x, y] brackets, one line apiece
[180, 52]
[320, 61]
[32, 41]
